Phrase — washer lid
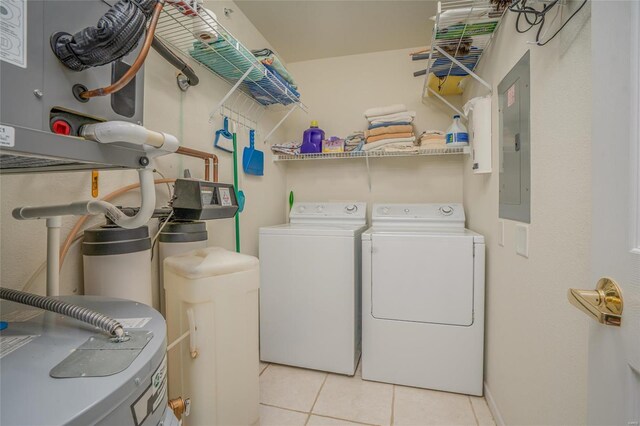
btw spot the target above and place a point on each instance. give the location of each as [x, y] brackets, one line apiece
[449, 215]
[329, 213]
[315, 229]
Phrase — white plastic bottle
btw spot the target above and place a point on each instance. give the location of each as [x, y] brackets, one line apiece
[457, 134]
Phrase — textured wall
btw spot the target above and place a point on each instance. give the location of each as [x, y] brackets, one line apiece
[338, 91]
[536, 353]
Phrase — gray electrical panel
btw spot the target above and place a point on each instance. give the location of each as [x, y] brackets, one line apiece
[37, 90]
[515, 148]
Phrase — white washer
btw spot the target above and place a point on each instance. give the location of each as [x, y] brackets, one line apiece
[423, 298]
[310, 289]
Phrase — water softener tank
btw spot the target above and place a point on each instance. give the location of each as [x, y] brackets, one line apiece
[212, 297]
[178, 237]
[117, 263]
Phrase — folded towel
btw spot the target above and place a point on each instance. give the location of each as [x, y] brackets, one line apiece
[290, 148]
[436, 143]
[432, 135]
[395, 123]
[390, 136]
[267, 57]
[385, 110]
[390, 118]
[400, 147]
[389, 129]
[378, 144]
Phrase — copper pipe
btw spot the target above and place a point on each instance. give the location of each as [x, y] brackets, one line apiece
[131, 72]
[206, 156]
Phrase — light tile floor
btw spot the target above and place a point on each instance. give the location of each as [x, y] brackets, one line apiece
[297, 397]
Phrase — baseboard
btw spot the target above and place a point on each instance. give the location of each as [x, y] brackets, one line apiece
[492, 406]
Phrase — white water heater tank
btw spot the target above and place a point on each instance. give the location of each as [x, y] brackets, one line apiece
[212, 294]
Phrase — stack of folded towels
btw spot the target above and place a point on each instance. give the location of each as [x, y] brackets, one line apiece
[390, 129]
[354, 142]
[432, 139]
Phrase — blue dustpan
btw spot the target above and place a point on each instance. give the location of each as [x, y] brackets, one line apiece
[252, 159]
[225, 133]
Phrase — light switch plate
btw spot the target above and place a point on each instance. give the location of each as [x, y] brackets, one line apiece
[522, 240]
[501, 233]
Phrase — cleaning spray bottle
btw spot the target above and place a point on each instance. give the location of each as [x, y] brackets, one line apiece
[457, 134]
[312, 139]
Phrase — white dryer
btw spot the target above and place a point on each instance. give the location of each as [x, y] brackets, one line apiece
[423, 298]
[310, 289]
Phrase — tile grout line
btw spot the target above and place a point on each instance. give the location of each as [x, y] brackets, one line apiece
[344, 420]
[473, 410]
[283, 408]
[316, 399]
[393, 404]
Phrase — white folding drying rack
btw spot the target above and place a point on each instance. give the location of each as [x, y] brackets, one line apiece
[233, 63]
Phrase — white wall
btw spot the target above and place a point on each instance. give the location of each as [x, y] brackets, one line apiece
[337, 91]
[536, 343]
[167, 109]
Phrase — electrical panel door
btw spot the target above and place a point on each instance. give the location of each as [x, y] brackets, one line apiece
[515, 151]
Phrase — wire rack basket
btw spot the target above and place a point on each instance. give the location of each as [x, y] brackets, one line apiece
[463, 30]
[199, 36]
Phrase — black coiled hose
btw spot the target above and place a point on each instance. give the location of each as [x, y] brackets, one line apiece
[103, 322]
[116, 34]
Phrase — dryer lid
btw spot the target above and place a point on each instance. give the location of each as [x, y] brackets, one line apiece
[422, 278]
[431, 215]
[354, 213]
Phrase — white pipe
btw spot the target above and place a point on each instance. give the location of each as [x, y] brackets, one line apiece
[53, 256]
[178, 340]
[93, 207]
[122, 131]
[193, 348]
[147, 204]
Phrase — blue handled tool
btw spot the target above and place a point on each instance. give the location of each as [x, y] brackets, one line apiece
[226, 134]
[252, 159]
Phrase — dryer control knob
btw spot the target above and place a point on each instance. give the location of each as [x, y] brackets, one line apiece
[350, 209]
[320, 209]
[446, 210]
[301, 209]
[385, 210]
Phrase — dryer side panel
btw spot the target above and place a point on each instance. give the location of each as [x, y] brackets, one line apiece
[423, 278]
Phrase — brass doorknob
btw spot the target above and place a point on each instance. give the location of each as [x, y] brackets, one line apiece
[604, 304]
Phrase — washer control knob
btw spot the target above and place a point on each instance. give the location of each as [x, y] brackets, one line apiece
[407, 211]
[385, 210]
[350, 209]
[446, 210]
[320, 209]
[301, 209]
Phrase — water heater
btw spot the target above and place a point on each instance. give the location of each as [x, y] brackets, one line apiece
[40, 109]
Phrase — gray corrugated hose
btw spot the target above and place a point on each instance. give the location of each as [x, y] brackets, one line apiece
[103, 322]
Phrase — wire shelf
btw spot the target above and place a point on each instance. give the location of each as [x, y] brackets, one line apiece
[199, 36]
[463, 30]
[373, 154]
